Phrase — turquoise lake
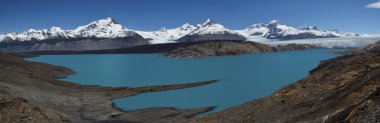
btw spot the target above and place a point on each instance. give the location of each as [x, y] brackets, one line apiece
[242, 78]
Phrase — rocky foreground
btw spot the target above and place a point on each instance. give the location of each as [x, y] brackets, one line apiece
[343, 89]
[30, 93]
[229, 48]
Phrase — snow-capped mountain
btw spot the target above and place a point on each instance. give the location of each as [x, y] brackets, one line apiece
[276, 30]
[210, 27]
[211, 31]
[104, 28]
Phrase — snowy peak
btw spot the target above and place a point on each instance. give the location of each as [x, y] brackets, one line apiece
[274, 22]
[208, 22]
[107, 21]
[57, 32]
[210, 30]
[210, 27]
[104, 28]
[110, 20]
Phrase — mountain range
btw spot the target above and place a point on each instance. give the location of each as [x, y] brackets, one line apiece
[104, 28]
[274, 30]
[277, 30]
[109, 34]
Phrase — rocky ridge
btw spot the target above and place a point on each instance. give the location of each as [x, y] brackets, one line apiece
[342, 89]
[229, 48]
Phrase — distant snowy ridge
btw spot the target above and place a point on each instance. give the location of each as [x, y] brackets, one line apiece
[109, 28]
[165, 35]
[32, 34]
[256, 32]
[104, 28]
[276, 30]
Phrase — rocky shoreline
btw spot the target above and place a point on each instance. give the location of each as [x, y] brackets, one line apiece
[342, 89]
[30, 93]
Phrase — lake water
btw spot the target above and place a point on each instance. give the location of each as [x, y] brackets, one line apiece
[242, 78]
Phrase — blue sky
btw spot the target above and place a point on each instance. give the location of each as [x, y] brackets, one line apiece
[345, 15]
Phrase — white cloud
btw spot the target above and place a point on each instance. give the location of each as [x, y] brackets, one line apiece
[375, 5]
